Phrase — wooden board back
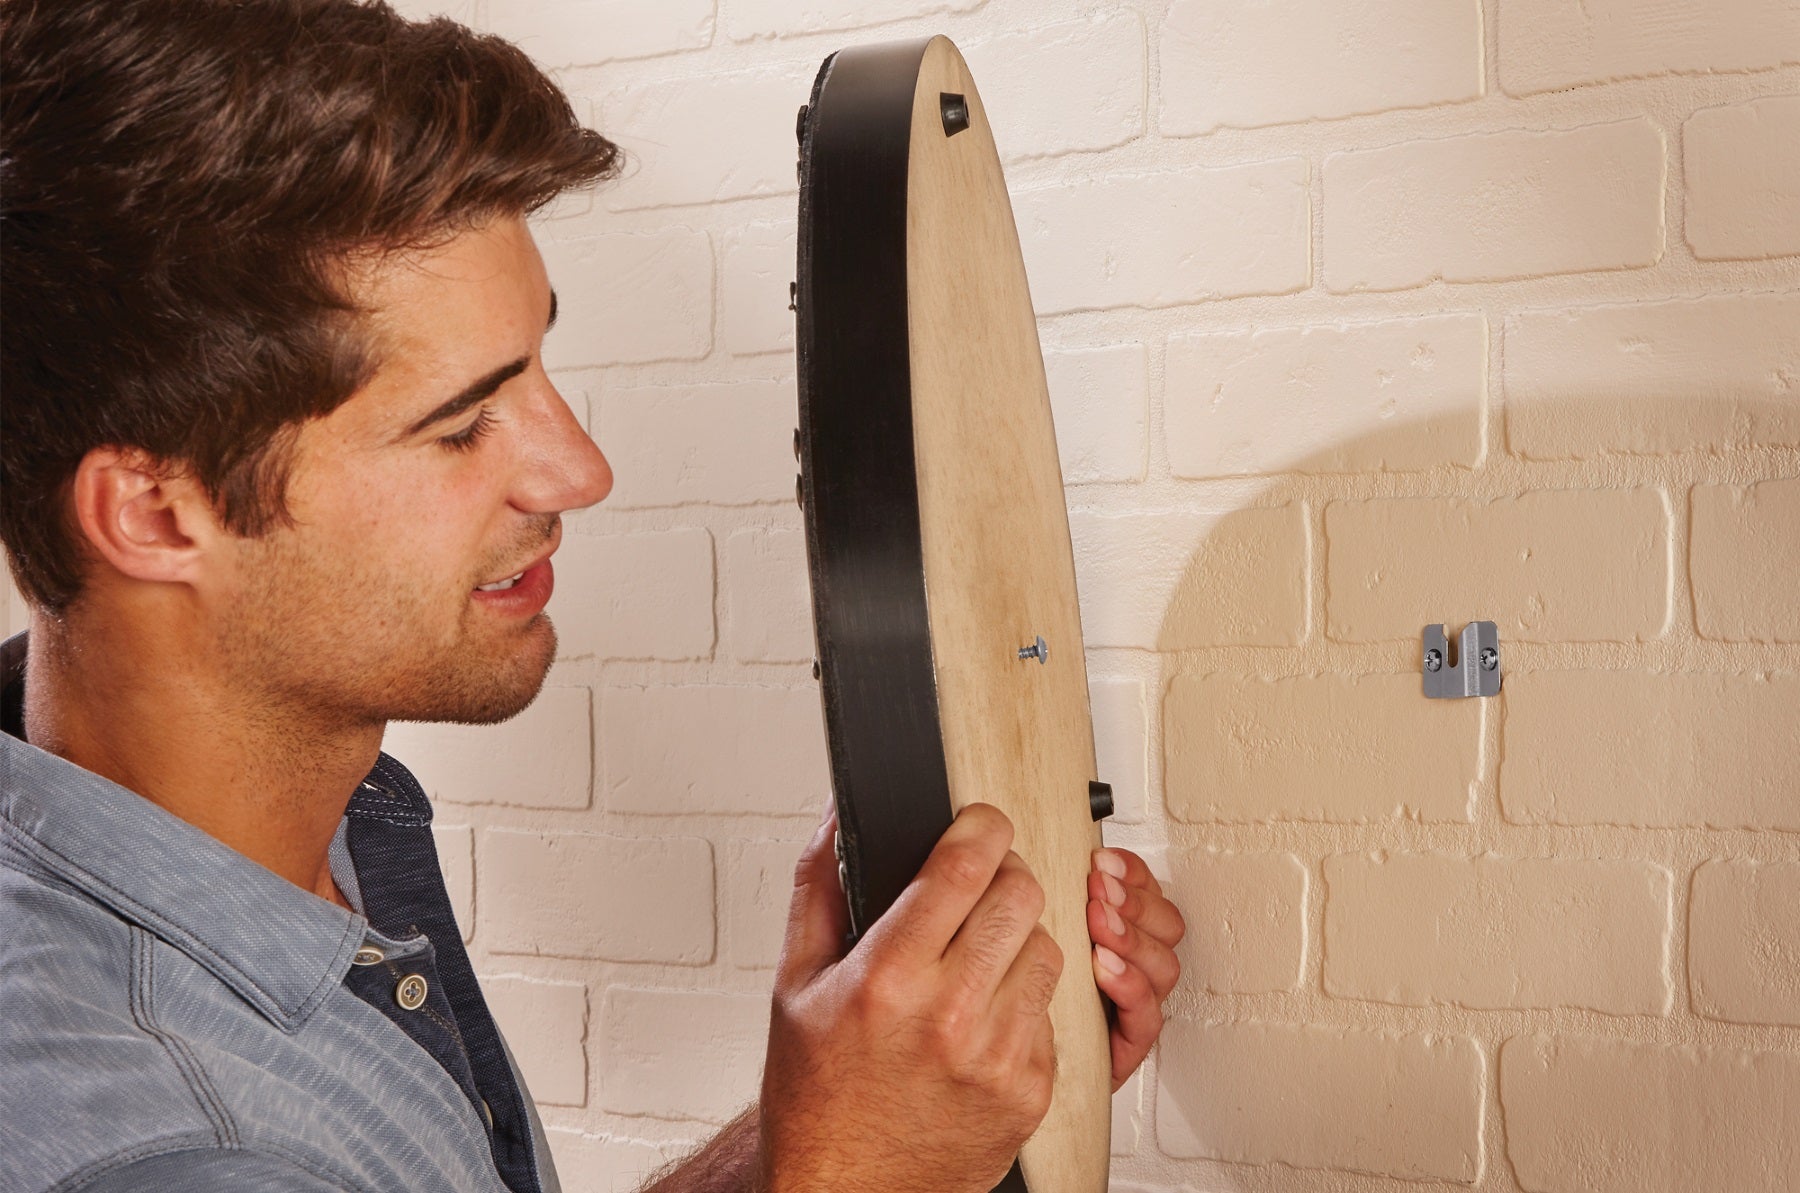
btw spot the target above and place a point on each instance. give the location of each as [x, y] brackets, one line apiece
[919, 356]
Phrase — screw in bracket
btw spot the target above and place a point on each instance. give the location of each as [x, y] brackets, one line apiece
[1434, 660]
[1039, 650]
[1490, 659]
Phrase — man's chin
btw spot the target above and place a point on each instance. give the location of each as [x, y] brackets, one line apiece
[477, 694]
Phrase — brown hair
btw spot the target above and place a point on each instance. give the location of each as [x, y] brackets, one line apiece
[182, 183]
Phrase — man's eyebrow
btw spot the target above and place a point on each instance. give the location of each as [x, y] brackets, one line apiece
[479, 389]
[476, 391]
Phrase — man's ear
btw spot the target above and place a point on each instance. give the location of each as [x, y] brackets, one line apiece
[146, 519]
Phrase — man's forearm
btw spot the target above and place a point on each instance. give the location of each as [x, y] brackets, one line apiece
[727, 1164]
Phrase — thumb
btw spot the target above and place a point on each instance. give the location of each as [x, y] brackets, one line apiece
[818, 920]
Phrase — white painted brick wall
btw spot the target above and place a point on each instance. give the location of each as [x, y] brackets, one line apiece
[1602, 1116]
[1167, 239]
[1359, 315]
[545, 1025]
[1404, 1106]
[681, 1054]
[737, 444]
[697, 749]
[1247, 64]
[1419, 929]
[1743, 179]
[635, 596]
[1400, 395]
[585, 895]
[1547, 44]
[1494, 206]
[542, 758]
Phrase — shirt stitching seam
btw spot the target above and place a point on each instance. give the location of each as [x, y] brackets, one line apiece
[143, 1012]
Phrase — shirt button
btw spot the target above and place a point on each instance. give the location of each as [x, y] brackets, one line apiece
[410, 993]
[368, 955]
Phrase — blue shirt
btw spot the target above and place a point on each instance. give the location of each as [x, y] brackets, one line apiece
[175, 1016]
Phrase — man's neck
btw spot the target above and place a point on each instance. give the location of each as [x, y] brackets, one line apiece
[159, 718]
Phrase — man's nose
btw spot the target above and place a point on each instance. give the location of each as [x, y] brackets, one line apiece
[565, 469]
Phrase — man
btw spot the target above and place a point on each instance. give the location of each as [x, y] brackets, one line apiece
[281, 463]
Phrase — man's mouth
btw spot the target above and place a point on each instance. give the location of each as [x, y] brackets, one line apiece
[500, 585]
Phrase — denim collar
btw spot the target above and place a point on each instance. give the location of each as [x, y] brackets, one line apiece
[282, 949]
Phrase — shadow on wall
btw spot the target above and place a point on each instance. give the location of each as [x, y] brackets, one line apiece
[1409, 917]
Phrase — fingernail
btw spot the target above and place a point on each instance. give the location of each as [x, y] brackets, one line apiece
[1109, 863]
[1112, 920]
[1115, 890]
[1109, 960]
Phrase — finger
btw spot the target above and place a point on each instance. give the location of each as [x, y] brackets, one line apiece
[1128, 868]
[1155, 959]
[926, 916]
[1138, 1019]
[1030, 982]
[1152, 913]
[818, 920]
[990, 939]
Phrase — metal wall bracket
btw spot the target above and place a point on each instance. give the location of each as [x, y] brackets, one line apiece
[1471, 668]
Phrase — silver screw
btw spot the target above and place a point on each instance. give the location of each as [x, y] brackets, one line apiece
[1434, 660]
[1490, 658]
[1039, 650]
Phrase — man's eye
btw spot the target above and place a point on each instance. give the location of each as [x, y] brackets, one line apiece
[466, 438]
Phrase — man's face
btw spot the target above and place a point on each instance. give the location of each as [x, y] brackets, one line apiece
[440, 479]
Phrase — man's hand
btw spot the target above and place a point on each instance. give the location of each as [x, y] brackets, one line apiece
[1135, 931]
[923, 1059]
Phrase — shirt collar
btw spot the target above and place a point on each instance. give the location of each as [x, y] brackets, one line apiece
[282, 949]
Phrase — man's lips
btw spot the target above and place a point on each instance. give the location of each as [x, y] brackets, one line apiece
[526, 596]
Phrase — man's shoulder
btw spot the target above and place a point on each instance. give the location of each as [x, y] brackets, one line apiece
[82, 1072]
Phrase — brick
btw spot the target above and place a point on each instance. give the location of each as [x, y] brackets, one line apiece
[1025, 85]
[1743, 179]
[1746, 554]
[1175, 581]
[1488, 932]
[1558, 566]
[1121, 744]
[1321, 1097]
[1246, 917]
[1247, 64]
[1162, 240]
[1242, 749]
[729, 444]
[1588, 1115]
[1654, 750]
[757, 262]
[460, 11]
[768, 606]
[757, 884]
[629, 298]
[545, 1024]
[747, 19]
[630, 899]
[707, 139]
[681, 1054]
[1550, 44]
[607, 1163]
[1744, 941]
[1100, 400]
[584, 32]
[456, 858]
[1401, 395]
[635, 596]
[1494, 206]
[1713, 374]
[1127, 1117]
[756, 751]
[542, 758]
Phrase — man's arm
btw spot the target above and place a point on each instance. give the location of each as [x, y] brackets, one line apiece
[727, 1164]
